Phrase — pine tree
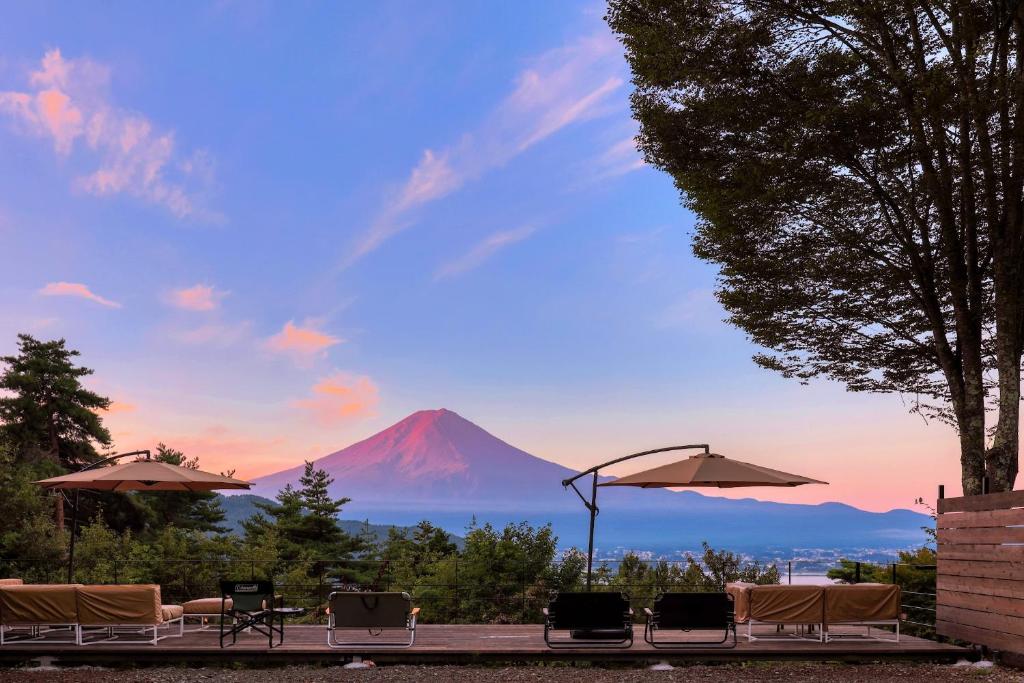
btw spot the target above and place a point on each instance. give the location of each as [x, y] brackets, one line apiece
[48, 414]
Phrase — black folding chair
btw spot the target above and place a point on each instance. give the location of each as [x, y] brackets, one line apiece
[691, 612]
[592, 620]
[252, 607]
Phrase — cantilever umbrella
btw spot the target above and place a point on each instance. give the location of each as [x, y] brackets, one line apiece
[706, 469]
[140, 475]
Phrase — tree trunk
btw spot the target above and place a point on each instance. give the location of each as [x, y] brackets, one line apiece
[1001, 460]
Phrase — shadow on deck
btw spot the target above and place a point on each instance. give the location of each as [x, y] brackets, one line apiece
[461, 644]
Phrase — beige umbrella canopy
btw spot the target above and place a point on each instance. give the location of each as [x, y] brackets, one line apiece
[144, 475]
[711, 470]
[706, 469]
[140, 475]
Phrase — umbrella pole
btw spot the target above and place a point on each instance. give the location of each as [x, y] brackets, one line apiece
[74, 532]
[590, 543]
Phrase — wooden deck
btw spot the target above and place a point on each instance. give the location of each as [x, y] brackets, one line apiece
[462, 644]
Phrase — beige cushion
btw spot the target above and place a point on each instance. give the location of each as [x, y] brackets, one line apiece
[788, 604]
[861, 602]
[38, 604]
[126, 604]
[169, 612]
[205, 606]
[740, 592]
[11, 582]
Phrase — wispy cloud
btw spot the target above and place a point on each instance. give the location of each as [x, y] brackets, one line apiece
[196, 298]
[302, 342]
[619, 159]
[78, 290]
[483, 251]
[119, 407]
[216, 334]
[340, 397]
[67, 102]
[561, 87]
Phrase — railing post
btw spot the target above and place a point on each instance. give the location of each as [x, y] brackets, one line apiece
[790, 572]
[856, 574]
[894, 572]
[456, 609]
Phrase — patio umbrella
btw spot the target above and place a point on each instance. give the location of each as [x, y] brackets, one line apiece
[140, 475]
[703, 470]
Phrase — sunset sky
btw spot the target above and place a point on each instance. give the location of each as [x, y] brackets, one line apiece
[274, 230]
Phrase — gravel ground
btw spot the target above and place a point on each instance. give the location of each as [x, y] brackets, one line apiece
[790, 672]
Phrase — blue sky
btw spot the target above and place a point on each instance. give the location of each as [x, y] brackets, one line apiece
[274, 229]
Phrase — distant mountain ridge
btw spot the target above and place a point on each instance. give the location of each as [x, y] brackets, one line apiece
[437, 465]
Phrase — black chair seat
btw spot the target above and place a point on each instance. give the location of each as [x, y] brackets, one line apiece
[691, 612]
[601, 619]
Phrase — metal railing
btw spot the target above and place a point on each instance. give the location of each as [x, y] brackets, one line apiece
[514, 594]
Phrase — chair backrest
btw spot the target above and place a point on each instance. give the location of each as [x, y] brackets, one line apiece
[599, 610]
[694, 610]
[370, 609]
[248, 596]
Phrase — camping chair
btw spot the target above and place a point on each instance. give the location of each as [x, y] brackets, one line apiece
[374, 611]
[592, 619]
[251, 607]
[691, 612]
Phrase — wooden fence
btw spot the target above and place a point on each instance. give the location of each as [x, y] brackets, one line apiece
[980, 578]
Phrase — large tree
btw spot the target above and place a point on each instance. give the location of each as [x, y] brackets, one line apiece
[857, 169]
[46, 412]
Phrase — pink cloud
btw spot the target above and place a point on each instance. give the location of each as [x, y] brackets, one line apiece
[483, 251]
[339, 398]
[76, 289]
[196, 298]
[302, 341]
[215, 334]
[119, 407]
[563, 86]
[68, 103]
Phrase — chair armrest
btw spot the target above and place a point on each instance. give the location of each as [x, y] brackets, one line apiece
[629, 611]
[648, 612]
[414, 612]
[545, 612]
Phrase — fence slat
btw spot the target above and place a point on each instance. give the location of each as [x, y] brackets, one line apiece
[994, 535]
[995, 622]
[986, 518]
[1010, 607]
[982, 586]
[989, 570]
[989, 501]
[973, 634]
[984, 553]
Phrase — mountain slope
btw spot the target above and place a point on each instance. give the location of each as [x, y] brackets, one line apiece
[439, 466]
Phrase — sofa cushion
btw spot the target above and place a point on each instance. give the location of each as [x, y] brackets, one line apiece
[124, 604]
[169, 612]
[787, 604]
[205, 606]
[11, 582]
[38, 604]
[740, 592]
[861, 602]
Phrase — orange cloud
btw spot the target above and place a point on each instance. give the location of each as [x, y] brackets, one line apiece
[196, 298]
[302, 341]
[117, 407]
[68, 102]
[340, 397]
[76, 289]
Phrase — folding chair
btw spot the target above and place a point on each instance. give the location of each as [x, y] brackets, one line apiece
[252, 607]
[691, 612]
[598, 620]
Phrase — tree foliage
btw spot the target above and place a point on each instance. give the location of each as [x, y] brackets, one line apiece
[858, 170]
[47, 413]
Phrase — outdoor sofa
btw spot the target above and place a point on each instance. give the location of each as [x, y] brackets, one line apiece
[110, 612]
[812, 609]
[377, 612]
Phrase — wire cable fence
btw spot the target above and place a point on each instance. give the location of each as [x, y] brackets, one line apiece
[455, 590]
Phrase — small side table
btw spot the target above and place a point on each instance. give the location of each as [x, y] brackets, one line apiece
[286, 612]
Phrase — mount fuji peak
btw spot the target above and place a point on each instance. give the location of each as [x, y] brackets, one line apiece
[434, 456]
